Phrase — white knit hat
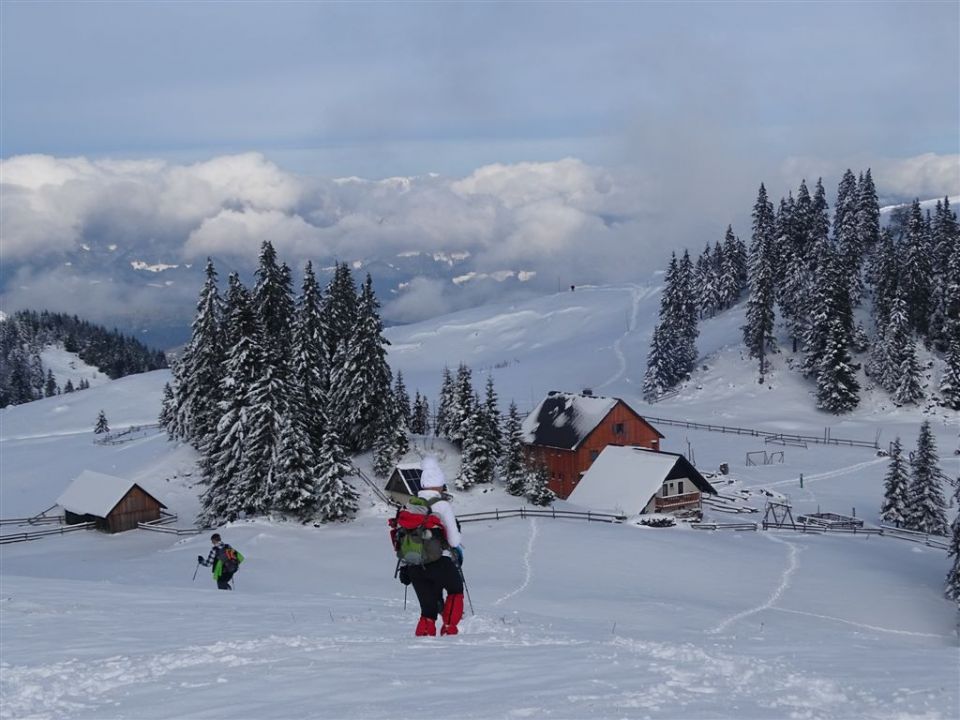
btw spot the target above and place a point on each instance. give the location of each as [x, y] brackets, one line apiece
[431, 476]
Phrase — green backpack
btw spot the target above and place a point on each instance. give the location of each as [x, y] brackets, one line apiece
[417, 533]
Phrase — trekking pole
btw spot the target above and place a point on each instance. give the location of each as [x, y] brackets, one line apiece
[195, 572]
[466, 590]
[405, 588]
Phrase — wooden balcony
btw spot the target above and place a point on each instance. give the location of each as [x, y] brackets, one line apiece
[677, 502]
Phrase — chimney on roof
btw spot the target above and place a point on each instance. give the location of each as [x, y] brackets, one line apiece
[587, 392]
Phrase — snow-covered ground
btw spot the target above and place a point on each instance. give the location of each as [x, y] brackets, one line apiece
[572, 619]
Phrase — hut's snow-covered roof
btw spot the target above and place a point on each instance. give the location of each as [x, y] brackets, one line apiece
[93, 493]
[622, 479]
[563, 420]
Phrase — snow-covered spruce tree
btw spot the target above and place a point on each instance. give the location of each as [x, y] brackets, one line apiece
[336, 499]
[420, 420]
[895, 487]
[537, 489]
[728, 281]
[950, 382]
[461, 407]
[945, 303]
[274, 389]
[391, 443]
[660, 367]
[102, 426]
[50, 385]
[167, 409]
[67, 388]
[309, 360]
[883, 275]
[734, 255]
[837, 388]
[402, 398]
[226, 494]
[953, 576]
[758, 331]
[513, 470]
[890, 354]
[916, 270]
[868, 212]
[491, 419]
[829, 301]
[339, 308]
[925, 506]
[705, 284]
[684, 302]
[847, 237]
[909, 388]
[478, 459]
[793, 285]
[364, 383]
[198, 373]
[294, 492]
[447, 394]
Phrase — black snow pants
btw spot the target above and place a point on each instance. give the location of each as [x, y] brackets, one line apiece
[430, 580]
[223, 582]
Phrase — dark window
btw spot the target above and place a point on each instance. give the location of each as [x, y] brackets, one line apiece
[680, 488]
[594, 454]
[618, 429]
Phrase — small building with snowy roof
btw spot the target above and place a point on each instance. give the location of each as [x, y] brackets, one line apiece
[633, 480]
[404, 482]
[567, 432]
[113, 503]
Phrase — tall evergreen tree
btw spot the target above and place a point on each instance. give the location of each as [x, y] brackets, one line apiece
[684, 302]
[461, 407]
[538, 490]
[447, 398]
[491, 419]
[295, 491]
[945, 284]
[950, 382]
[421, 415]
[837, 386]
[199, 370]
[953, 576]
[758, 332]
[336, 499]
[847, 236]
[339, 308]
[167, 409]
[926, 507]
[50, 386]
[895, 487]
[661, 371]
[513, 470]
[478, 460]
[916, 272]
[402, 398]
[309, 360]
[909, 387]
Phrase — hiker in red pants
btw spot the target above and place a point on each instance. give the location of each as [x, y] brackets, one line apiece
[432, 579]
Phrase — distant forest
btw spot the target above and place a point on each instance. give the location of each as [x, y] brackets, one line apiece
[24, 334]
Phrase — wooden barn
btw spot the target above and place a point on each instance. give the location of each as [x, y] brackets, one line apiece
[566, 432]
[113, 503]
[634, 481]
[404, 482]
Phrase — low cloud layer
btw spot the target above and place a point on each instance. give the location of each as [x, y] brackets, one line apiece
[563, 222]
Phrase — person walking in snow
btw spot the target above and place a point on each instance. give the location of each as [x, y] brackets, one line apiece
[432, 579]
[224, 560]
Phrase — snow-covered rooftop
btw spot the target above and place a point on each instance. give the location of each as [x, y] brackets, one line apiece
[622, 479]
[563, 420]
[93, 493]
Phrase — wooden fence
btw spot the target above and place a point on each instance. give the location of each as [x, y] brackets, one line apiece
[37, 534]
[780, 438]
[935, 541]
[524, 512]
[160, 525]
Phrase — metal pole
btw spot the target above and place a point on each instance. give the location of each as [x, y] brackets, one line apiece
[195, 572]
[466, 590]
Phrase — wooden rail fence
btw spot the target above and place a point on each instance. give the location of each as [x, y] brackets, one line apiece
[779, 437]
[524, 512]
[37, 534]
[160, 526]
[936, 541]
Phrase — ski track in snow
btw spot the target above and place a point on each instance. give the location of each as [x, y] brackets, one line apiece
[875, 628]
[792, 565]
[636, 294]
[526, 562]
[830, 473]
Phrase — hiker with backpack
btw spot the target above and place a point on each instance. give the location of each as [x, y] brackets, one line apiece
[224, 560]
[426, 536]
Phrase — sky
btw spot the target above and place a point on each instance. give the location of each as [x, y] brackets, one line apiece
[659, 105]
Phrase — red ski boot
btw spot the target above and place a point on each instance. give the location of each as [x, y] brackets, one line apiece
[426, 627]
[452, 612]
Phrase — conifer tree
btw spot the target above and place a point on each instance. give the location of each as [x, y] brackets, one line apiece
[868, 212]
[513, 470]
[538, 490]
[447, 398]
[909, 388]
[916, 270]
[819, 225]
[339, 308]
[402, 398]
[895, 487]
[310, 364]
[50, 386]
[336, 499]
[735, 257]
[660, 372]
[837, 386]
[953, 576]
[685, 314]
[925, 506]
[167, 409]
[228, 490]
[491, 419]
[198, 373]
[461, 407]
[945, 285]
[758, 331]
[847, 236]
[950, 382]
[102, 426]
[67, 388]
[421, 415]
[478, 457]
[295, 492]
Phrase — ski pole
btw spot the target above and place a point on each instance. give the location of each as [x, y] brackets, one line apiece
[405, 588]
[195, 572]
[466, 590]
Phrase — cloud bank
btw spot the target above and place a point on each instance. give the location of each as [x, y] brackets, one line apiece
[560, 222]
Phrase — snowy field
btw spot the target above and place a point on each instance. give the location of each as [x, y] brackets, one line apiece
[572, 620]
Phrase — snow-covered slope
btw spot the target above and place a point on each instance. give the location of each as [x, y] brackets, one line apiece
[572, 619]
